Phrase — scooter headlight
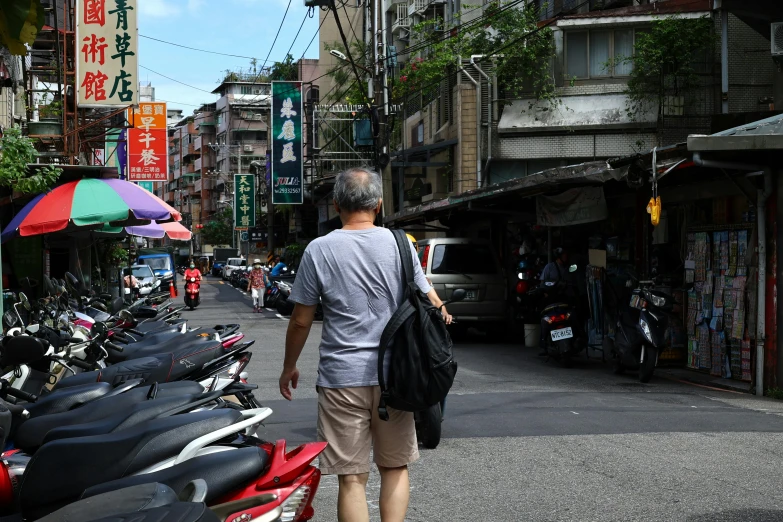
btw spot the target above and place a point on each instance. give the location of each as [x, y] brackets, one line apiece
[646, 329]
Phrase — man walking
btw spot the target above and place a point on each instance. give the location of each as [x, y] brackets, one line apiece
[256, 285]
[356, 275]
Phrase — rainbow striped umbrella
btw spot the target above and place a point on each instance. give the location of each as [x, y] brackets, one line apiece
[155, 230]
[89, 203]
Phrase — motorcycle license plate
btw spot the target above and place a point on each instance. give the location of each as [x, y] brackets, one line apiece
[470, 295]
[563, 333]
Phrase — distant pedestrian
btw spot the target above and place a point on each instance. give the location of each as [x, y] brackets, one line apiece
[279, 267]
[355, 274]
[256, 285]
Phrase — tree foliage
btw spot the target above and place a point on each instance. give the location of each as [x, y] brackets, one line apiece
[20, 21]
[16, 153]
[524, 68]
[220, 230]
[664, 61]
[287, 70]
[346, 87]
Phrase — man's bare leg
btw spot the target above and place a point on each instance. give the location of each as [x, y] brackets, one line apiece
[395, 493]
[352, 498]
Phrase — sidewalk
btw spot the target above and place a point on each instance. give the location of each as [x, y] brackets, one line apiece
[703, 379]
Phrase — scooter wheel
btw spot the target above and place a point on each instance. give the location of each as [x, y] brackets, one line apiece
[647, 363]
[428, 426]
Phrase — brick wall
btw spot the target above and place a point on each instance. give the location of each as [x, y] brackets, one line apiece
[751, 69]
[575, 146]
[466, 149]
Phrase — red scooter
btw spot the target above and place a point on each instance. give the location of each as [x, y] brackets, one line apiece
[192, 292]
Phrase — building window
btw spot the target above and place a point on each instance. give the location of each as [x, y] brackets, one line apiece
[598, 54]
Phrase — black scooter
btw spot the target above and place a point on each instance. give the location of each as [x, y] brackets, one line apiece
[562, 335]
[641, 329]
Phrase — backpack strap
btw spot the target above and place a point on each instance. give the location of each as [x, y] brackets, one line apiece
[399, 317]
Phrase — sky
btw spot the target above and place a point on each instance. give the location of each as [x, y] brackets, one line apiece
[240, 27]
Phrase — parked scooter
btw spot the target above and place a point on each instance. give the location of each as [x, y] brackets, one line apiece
[641, 329]
[562, 335]
[192, 293]
[428, 422]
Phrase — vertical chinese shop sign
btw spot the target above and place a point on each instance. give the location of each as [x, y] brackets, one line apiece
[148, 144]
[244, 201]
[107, 36]
[287, 161]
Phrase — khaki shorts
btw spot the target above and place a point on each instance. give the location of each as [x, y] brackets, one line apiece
[348, 421]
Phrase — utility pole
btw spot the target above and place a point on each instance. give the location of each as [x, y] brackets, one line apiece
[380, 94]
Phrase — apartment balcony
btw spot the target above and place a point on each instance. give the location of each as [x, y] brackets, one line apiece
[250, 147]
[190, 150]
[197, 186]
[198, 164]
[390, 5]
[207, 184]
[191, 189]
[197, 144]
[190, 168]
[402, 20]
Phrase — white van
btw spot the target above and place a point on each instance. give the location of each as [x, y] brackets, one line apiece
[232, 263]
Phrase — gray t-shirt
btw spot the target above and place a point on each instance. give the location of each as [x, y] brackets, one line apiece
[357, 274]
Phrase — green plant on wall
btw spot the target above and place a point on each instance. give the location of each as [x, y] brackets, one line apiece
[16, 153]
[665, 62]
[521, 69]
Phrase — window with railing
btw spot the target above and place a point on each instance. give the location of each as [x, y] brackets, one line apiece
[599, 53]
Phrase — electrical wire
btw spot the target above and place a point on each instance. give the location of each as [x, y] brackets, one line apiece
[173, 80]
[280, 27]
[199, 50]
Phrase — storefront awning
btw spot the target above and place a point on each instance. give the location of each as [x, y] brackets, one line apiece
[592, 173]
[578, 113]
[766, 134]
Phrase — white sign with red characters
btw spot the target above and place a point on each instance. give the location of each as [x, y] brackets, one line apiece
[107, 68]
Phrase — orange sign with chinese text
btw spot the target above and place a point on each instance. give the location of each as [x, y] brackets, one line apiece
[148, 155]
[150, 115]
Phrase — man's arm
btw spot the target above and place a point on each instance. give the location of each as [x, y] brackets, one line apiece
[437, 303]
[295, 338]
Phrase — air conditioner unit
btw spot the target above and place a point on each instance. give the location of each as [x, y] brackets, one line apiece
[776, 39]
[247, 148]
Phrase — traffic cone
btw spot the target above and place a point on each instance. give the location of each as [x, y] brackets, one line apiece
[172, 290]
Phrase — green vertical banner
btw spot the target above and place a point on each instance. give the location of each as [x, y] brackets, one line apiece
[244, 201]
[287, 160]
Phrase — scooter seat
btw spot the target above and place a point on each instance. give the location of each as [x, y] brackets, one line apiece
[131, 351]
[32, 432]
[553, 307]
[61, 470]
[223, 472]
[120, 502]
[68, 398]
[178, 512]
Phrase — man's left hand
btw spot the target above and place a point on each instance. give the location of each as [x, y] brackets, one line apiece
[447, 318]
[288, 376]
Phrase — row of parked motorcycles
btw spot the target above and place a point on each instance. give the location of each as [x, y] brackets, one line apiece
[116, 411]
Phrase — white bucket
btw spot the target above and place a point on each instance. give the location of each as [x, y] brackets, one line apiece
[532, 334]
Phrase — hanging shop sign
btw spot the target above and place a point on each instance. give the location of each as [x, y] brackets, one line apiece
[150, 115]
[148, 158]
[572, 207]
[107, 69]
[116, 151]
[244, 201]
[287, 161]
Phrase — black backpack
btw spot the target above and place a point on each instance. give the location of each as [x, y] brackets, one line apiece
[422, 365]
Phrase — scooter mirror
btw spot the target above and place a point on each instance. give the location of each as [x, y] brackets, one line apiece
[126, 316]
[572, 269]
[25, 301]
[9, 319]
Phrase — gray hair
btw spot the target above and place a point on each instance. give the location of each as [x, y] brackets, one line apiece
[358, 189]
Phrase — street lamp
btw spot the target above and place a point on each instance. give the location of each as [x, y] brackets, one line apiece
[340, 56]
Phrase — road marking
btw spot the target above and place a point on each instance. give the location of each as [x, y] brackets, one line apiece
[281, 317]
[693, 406]
[268, 309]
[575, 413]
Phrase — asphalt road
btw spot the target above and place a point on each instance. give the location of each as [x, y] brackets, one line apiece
[528, 440]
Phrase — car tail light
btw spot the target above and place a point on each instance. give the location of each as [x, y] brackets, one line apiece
[523, 287]
[559, 318]
[424, 258]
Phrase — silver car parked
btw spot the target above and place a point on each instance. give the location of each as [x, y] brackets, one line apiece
[471, 264]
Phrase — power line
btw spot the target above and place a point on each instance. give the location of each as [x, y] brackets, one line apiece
[307, 15]
[199, 50]
[276, 35]
[173, 80]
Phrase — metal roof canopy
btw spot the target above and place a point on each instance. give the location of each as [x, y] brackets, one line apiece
[591, 173]
[762, 135]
